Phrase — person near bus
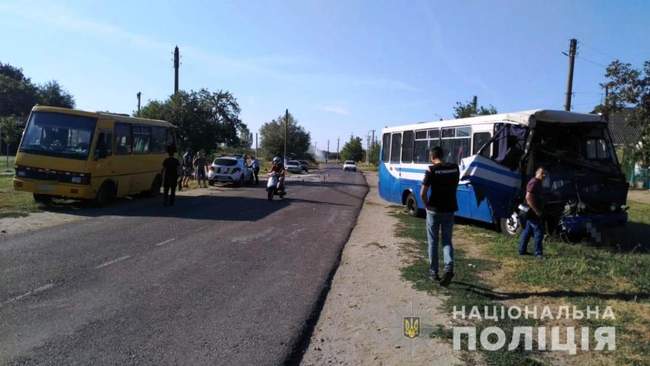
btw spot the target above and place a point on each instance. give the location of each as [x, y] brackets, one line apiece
[534, 217]
[255, 165]
[440, 181]
[188, 160]
[170, 177]
[201, 164]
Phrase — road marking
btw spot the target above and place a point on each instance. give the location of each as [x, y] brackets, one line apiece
[113, 261]
[165, 242]
[28, 293]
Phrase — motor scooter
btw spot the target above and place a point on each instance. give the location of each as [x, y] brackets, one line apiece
[273, 186]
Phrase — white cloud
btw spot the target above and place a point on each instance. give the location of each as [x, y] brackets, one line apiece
[336, 109]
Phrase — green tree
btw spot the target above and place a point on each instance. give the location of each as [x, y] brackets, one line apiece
[10, 132]
[17, 92]
[352, 150]
[272, 134]
[629, 89]
[373, 153]
[204, 119]
[467, 109]
[52, 94]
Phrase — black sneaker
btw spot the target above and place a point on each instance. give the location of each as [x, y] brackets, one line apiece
[446, 278]
[433, 276]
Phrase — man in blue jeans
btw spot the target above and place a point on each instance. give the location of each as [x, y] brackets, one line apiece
[442, 180]
[534, 222]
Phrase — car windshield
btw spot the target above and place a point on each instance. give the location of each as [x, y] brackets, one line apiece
[292, 162]
[349, 162]
[225, 162]
[58, 134]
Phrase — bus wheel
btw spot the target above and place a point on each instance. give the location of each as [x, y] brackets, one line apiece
[42, 198]
[155, 186]
[105, 194]
[411, 205]
[511, 225]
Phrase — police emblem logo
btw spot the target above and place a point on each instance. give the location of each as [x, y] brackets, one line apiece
[411, 327]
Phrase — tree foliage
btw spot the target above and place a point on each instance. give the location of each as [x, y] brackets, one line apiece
[467, 109]
[629, 89]
[352, 150]
[204, 119]
[272, 134]
[18, 94]
[373, 153]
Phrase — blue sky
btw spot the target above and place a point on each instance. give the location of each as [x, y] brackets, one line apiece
[341, 67]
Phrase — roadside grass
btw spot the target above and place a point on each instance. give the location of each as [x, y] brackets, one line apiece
[7, 164]
[489, 272]
[12, 203]
[367, 167]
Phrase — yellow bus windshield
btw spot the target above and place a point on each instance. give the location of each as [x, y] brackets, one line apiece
[58, 134]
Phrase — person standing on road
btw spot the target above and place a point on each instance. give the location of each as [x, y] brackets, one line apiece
[200, 163]
[442, 180]
[534, 217]
[170, 170]
[255, 165]
[188, 159]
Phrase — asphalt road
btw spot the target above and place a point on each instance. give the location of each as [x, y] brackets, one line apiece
[223, 278]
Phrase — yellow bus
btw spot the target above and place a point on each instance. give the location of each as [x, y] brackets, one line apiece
[67, 153]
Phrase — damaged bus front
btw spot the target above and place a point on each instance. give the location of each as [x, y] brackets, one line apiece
[584, 189]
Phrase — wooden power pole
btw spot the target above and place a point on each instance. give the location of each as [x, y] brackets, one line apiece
[569, 85]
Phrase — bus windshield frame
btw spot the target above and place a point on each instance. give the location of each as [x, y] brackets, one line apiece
[59, 134]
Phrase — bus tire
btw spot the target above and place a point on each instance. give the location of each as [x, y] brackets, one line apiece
[511, 226]
[155, 187]
[105, 194]
[42, 198]
[412, 206]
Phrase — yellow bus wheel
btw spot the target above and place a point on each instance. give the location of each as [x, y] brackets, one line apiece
[105, 194]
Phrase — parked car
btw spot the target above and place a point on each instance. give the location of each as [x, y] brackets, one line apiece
[349, 165]
[305, 165]
[230, 169]
[293, 166]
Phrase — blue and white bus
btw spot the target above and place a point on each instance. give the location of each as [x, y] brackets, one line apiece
[497, 155]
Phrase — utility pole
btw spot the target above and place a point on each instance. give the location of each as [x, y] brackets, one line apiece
[256, 154]
[139, 95]
[337, 150]
[286, 123]
[327, 153]
[606, 104]
[573, 43]
[176, 65]
[475, 105]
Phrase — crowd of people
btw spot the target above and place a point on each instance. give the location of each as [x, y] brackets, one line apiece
[178, 173]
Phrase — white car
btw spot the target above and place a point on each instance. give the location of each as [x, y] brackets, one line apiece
[349, 165]
[294, 166]
[230, 169]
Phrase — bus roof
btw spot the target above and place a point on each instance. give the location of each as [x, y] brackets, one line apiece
[117, 117]
[525, 118]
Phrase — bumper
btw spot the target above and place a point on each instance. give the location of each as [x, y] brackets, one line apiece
[582, 223]
[224, 178]
[54, 189]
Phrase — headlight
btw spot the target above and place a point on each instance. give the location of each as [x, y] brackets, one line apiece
[612, 207]
[76, 180]
[21, 173]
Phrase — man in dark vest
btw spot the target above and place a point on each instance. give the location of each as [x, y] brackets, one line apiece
[442, 180]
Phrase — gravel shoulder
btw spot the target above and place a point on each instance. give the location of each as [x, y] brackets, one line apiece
[362, 320]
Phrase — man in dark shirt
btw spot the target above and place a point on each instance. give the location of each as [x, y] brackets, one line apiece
[534, 222]
[442, 179]
[170, 170]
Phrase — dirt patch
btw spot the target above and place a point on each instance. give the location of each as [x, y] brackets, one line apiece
[641, 195]
[362, 322]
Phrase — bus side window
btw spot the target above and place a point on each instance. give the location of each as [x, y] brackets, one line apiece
[122, 139]
[480, 139]
[141, 139]
[395, 145]
[385, 147]
[407, 147]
